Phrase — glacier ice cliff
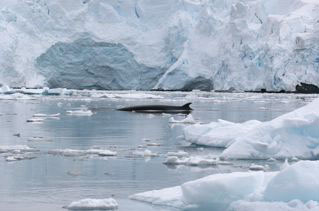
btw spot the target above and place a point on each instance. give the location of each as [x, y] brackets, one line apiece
[160, 44]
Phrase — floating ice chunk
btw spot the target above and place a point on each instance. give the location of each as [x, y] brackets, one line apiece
[16, 96]
[39, 138]
[46, 115]
[294, 134]
[188, 120]
[17, 157]
[178, 154]
[168, 197]
[145, 153]
[297, 181]
[215, 192]
[294, 205]
[17, 149]
[216, 134]
[93, 204]
[77, 152]
[191, 161]
[80, 112]
[255, 167]
[4, 89]
[102, 152]
[230, 191]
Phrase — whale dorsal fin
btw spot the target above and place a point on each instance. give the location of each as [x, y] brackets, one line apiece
[186, 106]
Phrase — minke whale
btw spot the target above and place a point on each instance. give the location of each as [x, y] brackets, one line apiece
[159, 108]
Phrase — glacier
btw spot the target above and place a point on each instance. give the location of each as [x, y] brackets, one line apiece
[293, 188]
[244, 45]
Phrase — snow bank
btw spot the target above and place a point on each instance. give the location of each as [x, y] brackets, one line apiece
[240, 190]
[93, 204]
[293, 135]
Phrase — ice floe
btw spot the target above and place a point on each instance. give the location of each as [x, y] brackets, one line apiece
[17, 157]
[93, 204]
[145, 153]
[217, 134]
[236, 190]
[16, 149]
[78, 152]
[46, 115]
[188, 120]
[80, 112]
[293, 135]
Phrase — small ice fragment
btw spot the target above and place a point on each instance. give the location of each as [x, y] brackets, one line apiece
[81, 112]
[76, 152]
[177, 154]
[285, 165]
[20, 157]
[39, 138]
[46, 115]
[255, 167]
[191, 161]
[93, 204]
[294, 159]
[271, 160]
[188, 120]
[145, 153]
[150, 116]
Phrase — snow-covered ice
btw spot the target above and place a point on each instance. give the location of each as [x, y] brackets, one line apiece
[292, 135]
[16, 149]
[80, 112]
[146, 153]
[191, 161]
[93, 204]
[179, 154]
[217, 134]
[296, 183]
[187, 120]
[46, 115]
[78, 152]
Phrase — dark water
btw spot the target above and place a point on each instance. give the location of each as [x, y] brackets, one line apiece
[50, 182]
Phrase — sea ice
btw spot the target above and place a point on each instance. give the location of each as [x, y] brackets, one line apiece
[46, 115]
[93, 204]
[80, 112]
[292, 135]
[77, 152]
[295, 186]
[188, 120]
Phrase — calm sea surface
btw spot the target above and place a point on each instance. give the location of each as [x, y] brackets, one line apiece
[50, 182]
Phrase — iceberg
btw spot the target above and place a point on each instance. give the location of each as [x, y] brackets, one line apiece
[293, 135]
[294, 187]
